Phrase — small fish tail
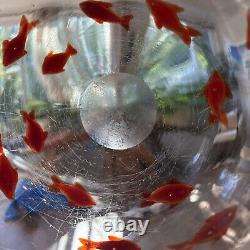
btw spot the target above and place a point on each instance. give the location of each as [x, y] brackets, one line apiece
[146, 202]
[175, 8]
[32, 115]
[88, 244]
[23, 22]
[193, 32]
[70, 50]
[126, 21]
[187, 245]
[114, 238]
[32, 25]
[185, 36]
[212, 118]
[223, 119]
[55, 186]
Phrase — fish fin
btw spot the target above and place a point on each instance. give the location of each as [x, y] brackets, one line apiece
[99, 20]
[93, 203]
[86, 247]
[5, 43]
[50, 54]
[56, 179]
[70, 50]
[78, 185]
[88, 244]
[146, 203]
[90, 200]
[114, 238]
[23, 22]
[125, 21]
[193, 32]
[32, 115]
[54, 187]
[223, 119]
[176, 8]
[185, 36]
[1, 144]
[24, 53]
[158, 23]
[212, 118]
[228, 91]
[187, 245]
[104, 4]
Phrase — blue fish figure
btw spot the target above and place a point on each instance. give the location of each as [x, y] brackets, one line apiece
[34, 198]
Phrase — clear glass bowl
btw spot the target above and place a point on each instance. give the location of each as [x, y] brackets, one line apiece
[124, 118]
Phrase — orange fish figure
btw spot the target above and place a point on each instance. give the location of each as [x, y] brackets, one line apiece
[215, 92]
[75, 193]
[54, 63]
[101, 12]
[8, 175]
[248, 29]
[113, 243]
[171, 194]
[15, 48]
[165, 15]
[35, 136]
[214, 228]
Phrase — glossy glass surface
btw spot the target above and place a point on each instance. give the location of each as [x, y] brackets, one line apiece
[148, 82]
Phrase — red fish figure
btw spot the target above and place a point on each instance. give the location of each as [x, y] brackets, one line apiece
[8, 175]
[35, 135]
[215, 92]
[165, 15]
[172, 194]
[101, 12]
[75, 193]
[214, 228]
[15, 48]
[248, 29]
[113, 243]
[54, 63]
